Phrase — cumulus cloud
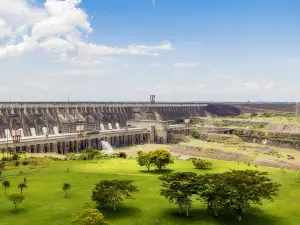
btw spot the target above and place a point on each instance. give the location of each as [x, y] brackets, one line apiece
[181, 65]
[59, 28]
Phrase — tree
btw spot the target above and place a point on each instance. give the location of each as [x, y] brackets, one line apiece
[161, 158]
[6, 184]
[109, 193]
[196, 134]
[235, 191]
[89, 216]
[202, 164]
[66, 187]
[178, 188]
[22, 186]
[16, 199]
[145, 159]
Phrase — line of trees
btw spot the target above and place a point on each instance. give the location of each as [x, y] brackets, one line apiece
[230, 192]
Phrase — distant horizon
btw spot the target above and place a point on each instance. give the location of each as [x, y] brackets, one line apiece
[147, 102]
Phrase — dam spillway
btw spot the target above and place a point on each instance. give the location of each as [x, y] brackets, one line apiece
[34, 119]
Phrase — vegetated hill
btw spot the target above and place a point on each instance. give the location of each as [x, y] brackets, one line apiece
[258, 107]
[223, 110]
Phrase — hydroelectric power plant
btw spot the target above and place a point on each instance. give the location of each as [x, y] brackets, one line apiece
[72, 126]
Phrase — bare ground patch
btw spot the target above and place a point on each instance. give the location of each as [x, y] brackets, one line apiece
[278, 164]
[209, 153]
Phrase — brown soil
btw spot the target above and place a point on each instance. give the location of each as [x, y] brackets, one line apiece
[278, 164]
[209, 153]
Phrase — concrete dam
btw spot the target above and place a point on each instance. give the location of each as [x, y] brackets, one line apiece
[34, 119]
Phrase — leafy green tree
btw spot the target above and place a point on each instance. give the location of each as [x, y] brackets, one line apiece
[6, 184]
[161, 158]
[109, 193]
[235, 191]
[16, 199]
[66, 187]
[89, 216]
[22, 186]
[145, 159]
[178, 188]
[202, 164]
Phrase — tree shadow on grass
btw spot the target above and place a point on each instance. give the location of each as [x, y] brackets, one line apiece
[122, 211]
[18, 211]
[164, 171]
[254, 216]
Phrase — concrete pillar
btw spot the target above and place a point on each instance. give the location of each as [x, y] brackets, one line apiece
[76, 143]
[42, 148]
[54, 147]
[67, 147]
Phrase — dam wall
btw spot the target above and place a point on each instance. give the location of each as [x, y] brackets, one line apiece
[34, 119]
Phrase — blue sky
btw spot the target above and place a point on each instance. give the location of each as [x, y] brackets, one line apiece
[180, 50]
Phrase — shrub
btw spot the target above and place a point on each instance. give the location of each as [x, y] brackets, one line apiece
[73, 156]
[25, 163]
[290, 157]
[196, 134]
[4, 158]
[90, 153]
[17, 163]
[202, 164]
[15, 156]
[2, 165]
[123, 155]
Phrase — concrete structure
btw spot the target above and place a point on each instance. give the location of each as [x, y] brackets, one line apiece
[160, 130]
[65, 143]
[139, 132]
[36, 119]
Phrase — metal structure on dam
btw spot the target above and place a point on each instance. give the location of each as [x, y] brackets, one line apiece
[34, 119]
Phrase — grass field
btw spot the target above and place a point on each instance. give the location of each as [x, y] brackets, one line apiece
[45, 203]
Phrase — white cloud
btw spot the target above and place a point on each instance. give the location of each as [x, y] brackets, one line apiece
[180, 65]
[9, 50]
[153, 2]
[58, 28]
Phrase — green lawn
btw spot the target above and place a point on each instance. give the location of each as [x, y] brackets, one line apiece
[45, 203]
